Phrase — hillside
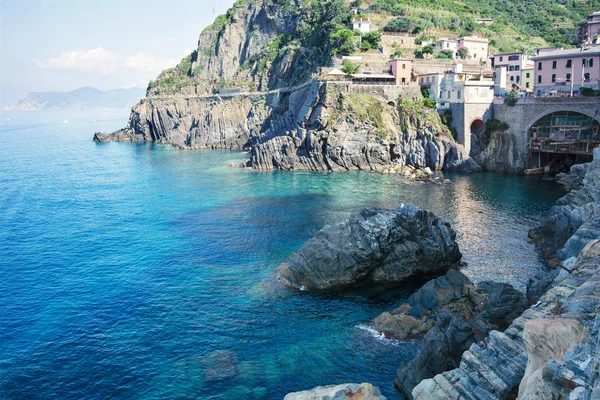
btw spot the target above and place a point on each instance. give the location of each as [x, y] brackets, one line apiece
[85, 98]
[516, 25]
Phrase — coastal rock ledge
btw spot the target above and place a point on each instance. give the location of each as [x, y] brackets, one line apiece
[375, 245]
[347, 391]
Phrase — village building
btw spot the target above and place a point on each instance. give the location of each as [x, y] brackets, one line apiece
[361, 24]
[515, 63]
[476, 46]
[563, 72]
[527, 81]
[484, 21]
[590, 29]
[447, 44]
[401, 69]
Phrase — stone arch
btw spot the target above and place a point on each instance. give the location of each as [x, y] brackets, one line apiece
[544, 111]
[392, 103]
[562, 137]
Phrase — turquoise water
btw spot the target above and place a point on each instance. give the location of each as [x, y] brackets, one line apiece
[135, 271]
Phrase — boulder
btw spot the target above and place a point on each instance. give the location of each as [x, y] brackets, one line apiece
[376, 245]
[452, 314]
[545, 340]
[347, 391]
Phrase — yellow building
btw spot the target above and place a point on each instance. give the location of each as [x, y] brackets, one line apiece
[527, 79]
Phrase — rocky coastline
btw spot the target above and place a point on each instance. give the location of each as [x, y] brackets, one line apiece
[491, 342]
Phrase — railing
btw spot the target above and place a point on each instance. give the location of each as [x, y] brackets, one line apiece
[547, 145]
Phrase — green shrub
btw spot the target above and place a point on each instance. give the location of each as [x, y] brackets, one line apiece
[401, 24]
[350, 67]
[370, 40]
[427, 102]
[463, 52]
[587, 91]
[511, 98]
[445, 55]
[494, 125]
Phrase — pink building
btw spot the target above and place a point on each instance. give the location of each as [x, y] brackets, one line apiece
[559, 71]
[401, 68]
[514, 62]
[590, 29]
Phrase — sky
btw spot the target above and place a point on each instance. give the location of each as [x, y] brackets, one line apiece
[62, 45]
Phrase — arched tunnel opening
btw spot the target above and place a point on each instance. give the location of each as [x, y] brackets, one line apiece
[478, 139]
[561, 139]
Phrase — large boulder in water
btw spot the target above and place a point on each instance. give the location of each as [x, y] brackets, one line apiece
[377, 245]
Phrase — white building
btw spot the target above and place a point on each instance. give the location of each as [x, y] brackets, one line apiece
[361, 24]
[477, 48]
[447, 44]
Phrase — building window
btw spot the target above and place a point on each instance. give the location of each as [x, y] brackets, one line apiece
[500, 58]
[527, 75]
[527, 85]
[553, 77]
[513, 58]
[458, 94]
[569, 63]
[588, 63]
[512, 78]
[517, 67]
[539, 66]
[449, 94]
[539, 79]
[568, 77]
[511, 68]
[586, 77]
[553, 64]
[518, 78]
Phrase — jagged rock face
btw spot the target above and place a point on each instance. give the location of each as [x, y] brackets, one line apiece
[452, 314]
[192, 123]
[577, 210]
[347, 391]
[494, 370]
[375, 245]
[326, 128]
[500, 155]
[545, 340]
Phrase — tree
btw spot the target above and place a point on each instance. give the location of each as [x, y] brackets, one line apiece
[401, 24]
[445, 54]
[427, 50]
[343, 42]
[511, 98]
[463, 52]
[396, 54]
[371, 39]
[350, 67]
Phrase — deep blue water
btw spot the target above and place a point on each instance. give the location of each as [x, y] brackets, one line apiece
[135, 271]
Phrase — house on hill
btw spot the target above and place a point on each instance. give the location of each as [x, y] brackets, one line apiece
[361, 24]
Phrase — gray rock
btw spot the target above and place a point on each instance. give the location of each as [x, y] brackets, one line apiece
[375, 245]
[452, 314]
[347, 391]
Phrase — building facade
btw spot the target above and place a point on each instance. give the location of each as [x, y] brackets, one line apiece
[515, 63]
[361, 24]
[476, 46]
[447, 44]
[527, 80]
[590, 29]
[401, 69]
[561, 72]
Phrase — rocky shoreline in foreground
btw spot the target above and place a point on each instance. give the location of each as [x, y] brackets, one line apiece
[490, 341]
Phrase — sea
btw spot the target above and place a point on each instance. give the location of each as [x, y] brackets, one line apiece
[137, 271]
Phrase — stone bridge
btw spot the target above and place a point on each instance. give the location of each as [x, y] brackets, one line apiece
[521, 117]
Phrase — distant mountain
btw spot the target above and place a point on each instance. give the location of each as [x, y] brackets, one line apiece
[85, 98]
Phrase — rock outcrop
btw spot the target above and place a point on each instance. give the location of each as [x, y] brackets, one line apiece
[451, 313]
[575, 219]
[501, 154]
[494, 369]
[348, 391]
[376, 245]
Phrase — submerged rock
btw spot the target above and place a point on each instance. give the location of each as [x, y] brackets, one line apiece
[347, 391]
[377, 245]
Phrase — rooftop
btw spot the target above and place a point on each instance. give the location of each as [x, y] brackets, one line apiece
[580, 51]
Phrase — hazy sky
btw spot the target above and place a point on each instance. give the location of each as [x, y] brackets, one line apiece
[66, 44]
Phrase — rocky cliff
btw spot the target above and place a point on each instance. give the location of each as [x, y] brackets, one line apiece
[552, 349]
[251, 85]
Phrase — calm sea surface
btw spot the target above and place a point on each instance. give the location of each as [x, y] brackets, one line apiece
[135, 271]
